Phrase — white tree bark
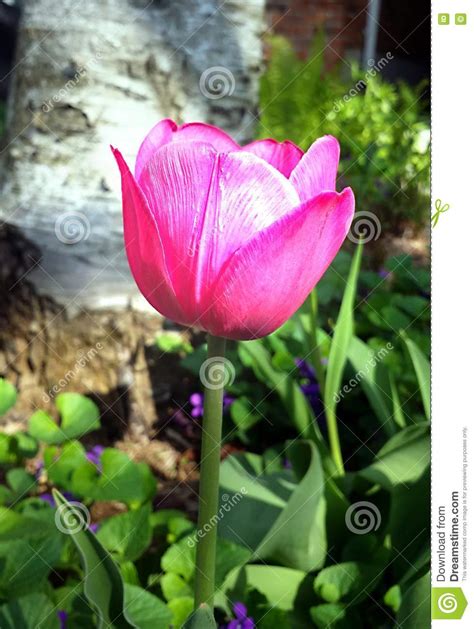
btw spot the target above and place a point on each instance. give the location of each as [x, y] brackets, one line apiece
[89, 74]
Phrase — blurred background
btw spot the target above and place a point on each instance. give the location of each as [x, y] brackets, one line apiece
[77, 76]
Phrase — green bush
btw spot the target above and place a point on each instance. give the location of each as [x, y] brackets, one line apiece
[382, 127]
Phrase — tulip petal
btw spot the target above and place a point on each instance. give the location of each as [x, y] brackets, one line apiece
[207, 205]
[281, 155]
[269, 278]
[167, 131]
[144, 247]
[317, 169]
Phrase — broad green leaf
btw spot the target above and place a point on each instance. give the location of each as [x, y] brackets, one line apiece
[127, 535]
[119, 479]
[173, 586]
[373, 377]
[423, 373]
[180, 558]
[343, 333]
[18, 484]
[415, 610]
[287, 509]
[398, 414]
[61, 462]
[349, 580]
[14, 448]
[7, 396]
[403, 459]
[79, 415]
[278, 585]
[202, 618]
[181, 608]
[146, 610]
[103, 585]
[32, 611]
[328, 615]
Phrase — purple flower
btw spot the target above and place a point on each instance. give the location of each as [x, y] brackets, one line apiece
[93, 528]
[383, 273]
[197, 402]
[94, 456]
[48, 497]
[62, 615]
[309, 386]
[242, 621]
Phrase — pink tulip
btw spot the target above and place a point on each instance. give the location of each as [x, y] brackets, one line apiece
[226, 238]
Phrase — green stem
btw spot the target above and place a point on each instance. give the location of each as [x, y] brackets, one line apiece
[331, 419]
[334, 443]
[209, 474]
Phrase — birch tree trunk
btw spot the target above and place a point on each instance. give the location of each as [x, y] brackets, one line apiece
[91, 74]
[88, 74]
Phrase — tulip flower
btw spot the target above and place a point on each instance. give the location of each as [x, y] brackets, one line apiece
[227, 239]
[230, 240]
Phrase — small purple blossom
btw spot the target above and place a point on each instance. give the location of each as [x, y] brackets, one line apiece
[62, 615]
[94, 455]
[93, 528]
[241, 621]
[197, 402]
[309, 386]
[383, 273]
[48, 497]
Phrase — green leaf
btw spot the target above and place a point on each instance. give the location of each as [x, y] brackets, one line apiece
[181, 608]
[343, 333]
[373, 377]
[29, 612]
[202, 618]
[128, 534]
[180, 558]
[146, 610]
[423, 372]
[103, 585]
[14, 448]
[61, 463]
[280, 586]
[287, 509]
[403, 459]
[79, 415]
[293, 399]
[348, 579]
[173, 342]
[173, 586]
[7, 396]
[415, 610]
[328, 615]
[120, 479]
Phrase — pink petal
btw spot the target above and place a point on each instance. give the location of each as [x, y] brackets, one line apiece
[317, 169]
[269, 278]
[168, 131]
[144, 247]
[207, 205]
[281, 155]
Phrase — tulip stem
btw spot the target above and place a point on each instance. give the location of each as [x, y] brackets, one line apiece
[334, 443]
[213, 377]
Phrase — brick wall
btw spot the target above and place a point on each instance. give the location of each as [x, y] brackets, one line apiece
[343, 22]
